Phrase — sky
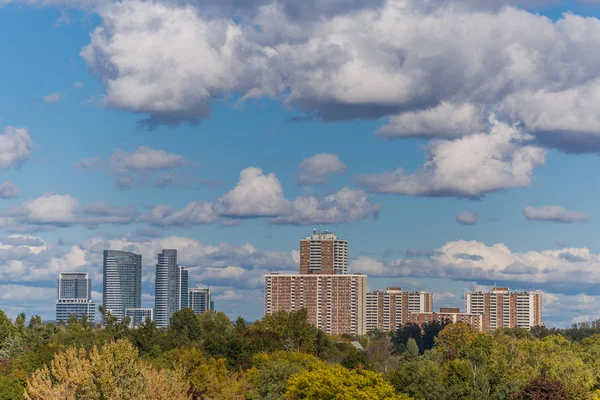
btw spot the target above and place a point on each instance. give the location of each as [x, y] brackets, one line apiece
[453, 143]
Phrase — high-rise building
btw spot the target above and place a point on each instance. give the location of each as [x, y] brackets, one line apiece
[74, 297]
[448, 315]
[199, 300]
[182, 288]
[336, 304]
[137, 316]
[387, 310]
[323, 253]
[171, 287]
[502, 308]
[122, 282]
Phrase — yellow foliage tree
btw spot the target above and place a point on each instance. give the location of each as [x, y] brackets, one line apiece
[336, 382]
[113, 372]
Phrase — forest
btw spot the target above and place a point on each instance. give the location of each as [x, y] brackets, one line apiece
[282, 356]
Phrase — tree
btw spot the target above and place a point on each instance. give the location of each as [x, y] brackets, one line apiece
[335, 382]
[418, 378]
[412, 350]
[6, 327]
[271, 372]
[114, 372]
[542, 389]
[452, 339]
[405, 332]
[185, 324]
[379, 353]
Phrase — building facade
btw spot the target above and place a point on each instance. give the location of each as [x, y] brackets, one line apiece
[122, 282]
[336, 303]
[502, 308]
[182, 288]
[388, 310]
[323, 253]
[448, 315]
[199, 300]
[137, 316]
[74, 297]
[171, 288]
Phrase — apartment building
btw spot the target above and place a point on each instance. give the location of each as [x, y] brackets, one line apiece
[449, 315]
[323, 253]
[122, 282]
[387, 310]
[336, 303]
[503, 308]
[199, 300]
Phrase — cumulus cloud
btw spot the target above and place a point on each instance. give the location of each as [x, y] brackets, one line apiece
[568, 271]
[445, 120]
[467, 218]
[471, 166]
[57, 210]
[256, 195]
[15, 147]
[346, 205]
[417, 62]
[260, 195]
[8, 190]
[318, 168]
[554, 214]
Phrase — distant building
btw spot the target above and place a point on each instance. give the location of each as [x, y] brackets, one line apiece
[336, 303]
[137, 316]
[74, 297]
[387, 310]
[122, 282]
[502, 308]
[323, 253]
[182, 288]
[199, 300]
[171, 287]
[448, 315]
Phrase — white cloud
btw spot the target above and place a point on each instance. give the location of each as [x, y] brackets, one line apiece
[554, 214]
[471, 166]
[255, 195]
[318, 168]
[467, 218]
[445, 120]
[53, 98]
[346, 205]
[55, 210]
[566, 270]
[15, 147]
[417, 62]
[8, 190]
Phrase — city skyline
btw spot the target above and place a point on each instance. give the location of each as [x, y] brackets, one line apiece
[450, 161]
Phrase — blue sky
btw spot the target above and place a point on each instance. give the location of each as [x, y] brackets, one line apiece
[464, 131]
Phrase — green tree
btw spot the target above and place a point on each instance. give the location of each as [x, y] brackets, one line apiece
[185, 324]
[335, 382]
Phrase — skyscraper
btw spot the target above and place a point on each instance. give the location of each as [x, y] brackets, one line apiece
[182, 288]
[502, 308]
[171, 287]
[122, 282]
[74, 297]
[323, 253]
[199, 300]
